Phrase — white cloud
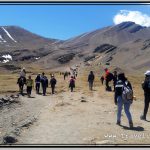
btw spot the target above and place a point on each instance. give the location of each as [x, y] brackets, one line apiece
[134, 16]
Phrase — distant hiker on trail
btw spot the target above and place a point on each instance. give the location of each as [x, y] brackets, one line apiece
[91, 78]
[146, 88]
[53, 82]
[102, 79]
[21, 82]
[123, 96]
[108, 78]
[29, 84]
[115, 79]
[23, 73]
[38, 81]
[44, 82]
[72, 83]
[65, 75]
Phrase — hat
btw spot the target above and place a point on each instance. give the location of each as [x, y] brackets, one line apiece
[147, 73]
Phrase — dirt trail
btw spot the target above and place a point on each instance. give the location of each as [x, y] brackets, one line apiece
[67, 120]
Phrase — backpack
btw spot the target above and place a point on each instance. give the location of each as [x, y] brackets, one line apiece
[127, 93]
[109, 77]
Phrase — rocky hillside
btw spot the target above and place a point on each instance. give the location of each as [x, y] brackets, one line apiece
[126, 44]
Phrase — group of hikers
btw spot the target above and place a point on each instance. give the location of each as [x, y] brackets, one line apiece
[40, 81]
[123, 91]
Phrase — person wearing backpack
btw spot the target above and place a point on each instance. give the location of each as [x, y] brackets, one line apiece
[44, 82]
[21, 82]
[72, 83]
[146, 88]
[53, 82]
[123, 97]
[38, 81]
[29, 84]
[108, 78]
[91, 78]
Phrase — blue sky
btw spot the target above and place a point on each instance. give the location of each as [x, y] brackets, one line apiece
[64, 21]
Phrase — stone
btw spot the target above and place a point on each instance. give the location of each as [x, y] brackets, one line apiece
[9, 139]
[83, 100]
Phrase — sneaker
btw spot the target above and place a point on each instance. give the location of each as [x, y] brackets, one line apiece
[131, 125]
[118, 123]
[143, 118]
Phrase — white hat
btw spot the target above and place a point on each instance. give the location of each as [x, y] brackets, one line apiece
[147, 73]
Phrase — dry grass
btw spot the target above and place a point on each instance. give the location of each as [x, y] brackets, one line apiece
[8, 82]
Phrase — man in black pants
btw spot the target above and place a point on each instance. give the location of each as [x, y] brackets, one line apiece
[91, 78]
[44, 82]
[146, 88]
[38, 81]
[53, 83]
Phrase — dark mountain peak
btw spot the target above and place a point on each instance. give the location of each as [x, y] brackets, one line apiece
[129, 26]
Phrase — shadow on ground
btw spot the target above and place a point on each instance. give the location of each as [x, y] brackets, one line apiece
[138, 128]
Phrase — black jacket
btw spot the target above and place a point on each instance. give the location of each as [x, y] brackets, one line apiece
[44, 81]
[38, 79]
[119, 88]
[53, 81]
[146, 87]
[91, 78]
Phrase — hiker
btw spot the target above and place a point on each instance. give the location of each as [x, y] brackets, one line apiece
[65, 75]
[23, 73]
[53, 82]
[44, 82]
[29, 84]
[115, 79]
[91, 80]
[38, 81]
[102, 79]
[21, 81]
[123, 97]
[108, 78]
[72, 83]
[146, 88]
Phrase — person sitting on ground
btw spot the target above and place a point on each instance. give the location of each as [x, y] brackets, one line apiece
[121, 98]
[44, 82]
[102, 79]
[38, 81]
[146, 88]
[29, 84]
[53, 82]
[91, 78]
[21, 82]
[72, 83]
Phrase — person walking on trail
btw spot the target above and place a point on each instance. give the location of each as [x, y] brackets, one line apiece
[53, 82]
[108, 78]
[29, 84]
[146, 88]
[44, 82]
[115, 79]
[21, 82]
[102, 79]
[91, 78]
[23, 73]
[72, 83]
[38, 81]
[123, 97]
